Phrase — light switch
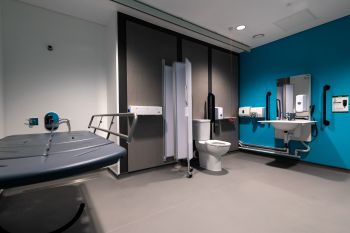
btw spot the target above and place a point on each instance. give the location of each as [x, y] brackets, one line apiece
[340, 103]
[32, 122]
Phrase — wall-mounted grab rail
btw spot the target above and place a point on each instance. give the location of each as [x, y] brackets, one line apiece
[268, 95]
[325, 89]
[128, 137]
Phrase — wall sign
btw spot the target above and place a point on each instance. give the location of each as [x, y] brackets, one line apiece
[340, 103]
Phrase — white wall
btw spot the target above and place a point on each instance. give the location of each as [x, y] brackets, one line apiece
[112, 58]
[112, 61]
[2, 131]
[71, 80]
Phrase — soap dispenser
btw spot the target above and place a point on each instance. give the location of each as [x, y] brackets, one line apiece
[300, 103]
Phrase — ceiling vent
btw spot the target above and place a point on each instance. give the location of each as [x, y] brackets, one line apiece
[296, 21]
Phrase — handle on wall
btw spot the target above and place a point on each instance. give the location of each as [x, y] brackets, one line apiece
[211, 112]
[211, 107]
[268, 95]
[325, 89]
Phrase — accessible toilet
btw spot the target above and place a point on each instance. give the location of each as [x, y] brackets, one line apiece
[210, 151]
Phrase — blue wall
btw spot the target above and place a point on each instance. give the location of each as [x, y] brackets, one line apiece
[323, 52]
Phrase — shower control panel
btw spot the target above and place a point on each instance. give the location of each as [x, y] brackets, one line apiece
[340, 103]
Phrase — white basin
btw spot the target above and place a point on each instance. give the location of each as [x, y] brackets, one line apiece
[286, 125]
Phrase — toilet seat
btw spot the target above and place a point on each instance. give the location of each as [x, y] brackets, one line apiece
[217, 143]
[214, 143]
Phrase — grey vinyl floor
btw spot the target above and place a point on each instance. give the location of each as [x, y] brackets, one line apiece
[253, 194]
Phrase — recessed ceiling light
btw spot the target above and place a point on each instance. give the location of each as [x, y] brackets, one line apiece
[240, 27]
[257, 36]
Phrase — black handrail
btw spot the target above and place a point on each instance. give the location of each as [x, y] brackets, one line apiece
[211, 107]
[268, 94]
[325, 89]
[211, 112]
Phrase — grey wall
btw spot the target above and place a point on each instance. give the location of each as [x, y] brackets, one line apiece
[225, 87]
[198, 55]
[142, 47]
[146, 48]
[2, 130]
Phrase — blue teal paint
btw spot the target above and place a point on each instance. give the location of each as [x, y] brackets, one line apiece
[323, 52]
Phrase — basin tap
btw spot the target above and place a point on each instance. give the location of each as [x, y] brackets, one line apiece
[290, 116]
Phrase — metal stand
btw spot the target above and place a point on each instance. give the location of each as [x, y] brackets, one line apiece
[109, 132]
[189, 169]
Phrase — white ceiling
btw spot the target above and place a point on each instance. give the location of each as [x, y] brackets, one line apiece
[260, 16]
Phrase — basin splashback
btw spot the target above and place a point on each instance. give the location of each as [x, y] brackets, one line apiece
[288, 89]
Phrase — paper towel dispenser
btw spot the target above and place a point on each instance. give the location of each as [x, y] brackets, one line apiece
[244, 111]
[257, 112]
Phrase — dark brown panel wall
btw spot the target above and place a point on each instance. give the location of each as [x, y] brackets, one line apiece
[198, 55]
[225, 87]
[142, 46]
[146, 48]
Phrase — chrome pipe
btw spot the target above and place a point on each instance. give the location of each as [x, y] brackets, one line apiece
[264, 147]
[62, 121]
[281, 153]
[273, 150]
[306, 150]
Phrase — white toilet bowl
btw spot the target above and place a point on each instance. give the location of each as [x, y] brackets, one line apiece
[210, 153]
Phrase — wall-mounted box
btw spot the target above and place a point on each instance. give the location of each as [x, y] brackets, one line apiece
[301, 103]
[145, 110]
[244, 111]
[258, 112]
[219, 113]
[340, 103]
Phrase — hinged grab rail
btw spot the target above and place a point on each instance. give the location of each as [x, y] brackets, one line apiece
[128, 137]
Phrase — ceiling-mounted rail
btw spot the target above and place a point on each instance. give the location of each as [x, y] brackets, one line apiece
[152, 11]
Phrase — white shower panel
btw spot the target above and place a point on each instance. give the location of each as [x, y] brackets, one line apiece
[181, 122]
[178, 110]
[169, 112]
[189, 108]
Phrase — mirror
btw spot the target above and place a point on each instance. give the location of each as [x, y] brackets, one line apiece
[294, 97]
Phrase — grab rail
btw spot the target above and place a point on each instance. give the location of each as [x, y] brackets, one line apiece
[128, 137]
[268, 94]
[325, 89]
